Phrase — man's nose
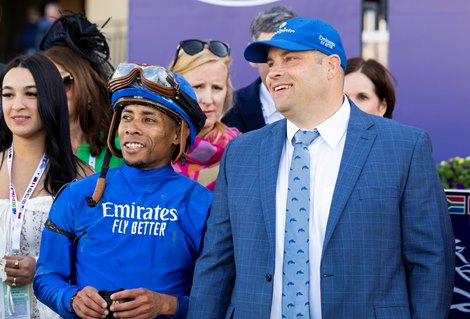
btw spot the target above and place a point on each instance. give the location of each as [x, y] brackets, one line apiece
[274, 71]
[133, 128]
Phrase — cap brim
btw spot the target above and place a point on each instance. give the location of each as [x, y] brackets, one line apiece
[257, 52]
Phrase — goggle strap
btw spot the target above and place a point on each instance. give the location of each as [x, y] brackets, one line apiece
[111, 134]
[124, 80]
[174, 84]
[127, 80]
[165, 91]
[183, 142]
[101, 182]
[121, 83]
[97, 193]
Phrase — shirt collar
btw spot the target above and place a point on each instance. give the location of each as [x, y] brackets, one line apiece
[331, 130]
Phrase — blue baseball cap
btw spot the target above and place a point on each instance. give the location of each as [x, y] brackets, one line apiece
[299, 34]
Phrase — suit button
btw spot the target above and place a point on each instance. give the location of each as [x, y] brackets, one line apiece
[269, 277]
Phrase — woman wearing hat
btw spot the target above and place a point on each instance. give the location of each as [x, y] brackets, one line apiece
[81, 53]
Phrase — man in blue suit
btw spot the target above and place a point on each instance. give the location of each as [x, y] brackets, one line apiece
[380, 239]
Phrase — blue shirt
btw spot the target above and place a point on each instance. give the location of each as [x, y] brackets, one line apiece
[146, 231]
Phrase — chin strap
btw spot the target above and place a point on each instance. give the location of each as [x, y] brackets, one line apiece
[113, 127]
[184, 132]
[101, 182]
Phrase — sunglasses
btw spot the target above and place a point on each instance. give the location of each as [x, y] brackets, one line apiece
[194, 46]
[160, 81]
[67, 78]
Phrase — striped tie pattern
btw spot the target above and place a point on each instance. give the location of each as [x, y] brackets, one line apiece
[296, 281]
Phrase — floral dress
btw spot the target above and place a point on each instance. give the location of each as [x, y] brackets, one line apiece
[36, 213]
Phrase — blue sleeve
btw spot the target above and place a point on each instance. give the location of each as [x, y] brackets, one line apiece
[56, 258]
[199, 202]
[428, 241]
[182, 309]
[198, 206]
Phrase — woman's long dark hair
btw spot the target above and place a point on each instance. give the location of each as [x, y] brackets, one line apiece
[52, 108]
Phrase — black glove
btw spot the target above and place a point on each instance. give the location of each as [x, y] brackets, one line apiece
[106, 294]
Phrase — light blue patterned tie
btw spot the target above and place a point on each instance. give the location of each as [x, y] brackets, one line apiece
[296, 279]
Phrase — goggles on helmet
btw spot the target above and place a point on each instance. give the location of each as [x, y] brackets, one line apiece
[160, 81]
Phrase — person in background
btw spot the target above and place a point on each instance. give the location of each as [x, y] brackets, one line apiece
[143, 231]
[206, 66]
[329, 213]
[51, 12]
[370, 86]
[253, 105]
[36, 161]
[27, 36]
[81, 53]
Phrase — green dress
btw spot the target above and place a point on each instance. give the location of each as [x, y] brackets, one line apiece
[83, 153]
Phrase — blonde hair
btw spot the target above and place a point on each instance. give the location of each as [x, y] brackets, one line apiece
[185, 63]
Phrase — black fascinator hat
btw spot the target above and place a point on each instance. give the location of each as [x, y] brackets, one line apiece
[79, 34]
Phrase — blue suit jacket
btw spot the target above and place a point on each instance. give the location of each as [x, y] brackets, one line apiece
[388, 250]
[247, 113]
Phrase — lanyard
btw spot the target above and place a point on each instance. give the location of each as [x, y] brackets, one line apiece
[92, 161]
[17, 211]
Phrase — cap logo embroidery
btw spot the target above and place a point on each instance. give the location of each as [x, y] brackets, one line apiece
[326, 42]
[282, 29]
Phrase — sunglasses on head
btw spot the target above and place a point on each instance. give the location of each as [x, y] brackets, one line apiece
[67, 78]
[194, 46]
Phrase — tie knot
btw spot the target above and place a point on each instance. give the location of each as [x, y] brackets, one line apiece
[305, 137]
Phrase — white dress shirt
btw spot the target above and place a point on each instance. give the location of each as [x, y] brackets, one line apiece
[270, 113]
[325, 158]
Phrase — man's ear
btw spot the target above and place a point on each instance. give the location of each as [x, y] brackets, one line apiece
[182, 133]
[253, 65]
[333, 64]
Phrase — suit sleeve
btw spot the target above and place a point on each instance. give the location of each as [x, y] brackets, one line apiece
[427, 237]
[215, 269]
[53, 269]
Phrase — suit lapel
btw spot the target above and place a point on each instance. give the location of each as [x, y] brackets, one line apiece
[270, 150]
[359, 140]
